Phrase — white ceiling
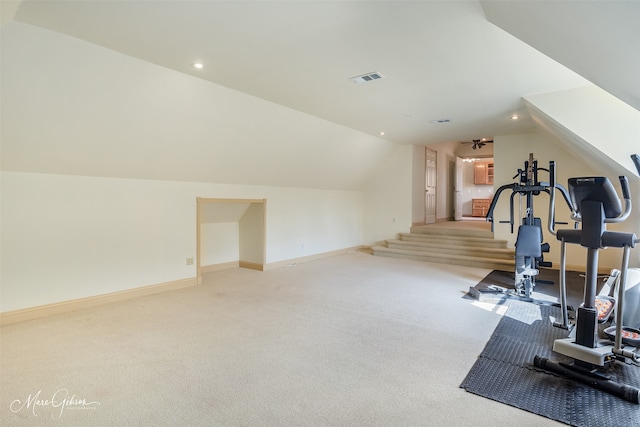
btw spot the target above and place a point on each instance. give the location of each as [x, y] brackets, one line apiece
[440, 59]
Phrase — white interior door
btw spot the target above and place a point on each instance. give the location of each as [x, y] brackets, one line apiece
[430, 186]
[457, 190]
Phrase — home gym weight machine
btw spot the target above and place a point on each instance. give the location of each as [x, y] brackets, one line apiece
[529, 246]
[595, 203]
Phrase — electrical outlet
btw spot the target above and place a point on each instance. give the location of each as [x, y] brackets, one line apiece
[189, 261]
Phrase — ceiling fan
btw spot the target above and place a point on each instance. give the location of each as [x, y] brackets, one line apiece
[478, 143]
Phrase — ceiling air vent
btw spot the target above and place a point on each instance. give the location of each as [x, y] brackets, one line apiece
[369, 77]
[441, 121]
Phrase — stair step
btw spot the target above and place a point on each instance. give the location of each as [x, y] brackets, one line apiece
[446, 258]
[452, 248]
[442, 230]
[453, 239]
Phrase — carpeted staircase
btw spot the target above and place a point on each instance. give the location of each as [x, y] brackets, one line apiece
[451, 243]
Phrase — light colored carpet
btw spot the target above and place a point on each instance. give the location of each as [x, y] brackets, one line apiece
[351, 340]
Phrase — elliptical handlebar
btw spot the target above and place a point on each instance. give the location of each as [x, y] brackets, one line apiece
[635, 158]
[552, 201]
[552, 198]
[624, 183]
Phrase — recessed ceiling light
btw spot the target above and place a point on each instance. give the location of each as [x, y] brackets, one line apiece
[381, 133]
[515, 117]
[198, 65]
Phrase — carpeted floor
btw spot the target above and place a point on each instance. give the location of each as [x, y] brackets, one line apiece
[350, 340]
[505, 373]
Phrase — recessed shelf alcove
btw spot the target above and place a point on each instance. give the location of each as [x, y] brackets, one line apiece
[231, 230]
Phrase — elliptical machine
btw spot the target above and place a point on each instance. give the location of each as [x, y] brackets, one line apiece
[595, 203]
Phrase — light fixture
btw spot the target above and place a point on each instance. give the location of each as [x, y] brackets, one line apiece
[381, 133]
[477, 144]
[515, 117]
[198, 65]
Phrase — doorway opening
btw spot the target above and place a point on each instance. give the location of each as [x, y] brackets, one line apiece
[430, 184]
[473, 188]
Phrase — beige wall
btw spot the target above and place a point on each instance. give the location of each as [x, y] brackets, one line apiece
[69, 237]
[219, 243]
[252, 234]
[388, 198]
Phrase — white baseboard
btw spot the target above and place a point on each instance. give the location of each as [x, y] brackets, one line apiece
[277, 264]
[231, 264]
[222, 266]
[31, 313]
[252, 265]
[308, 258]
[22, 315]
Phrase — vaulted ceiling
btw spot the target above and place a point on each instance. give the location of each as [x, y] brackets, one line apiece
[439, 59]
[451, 71]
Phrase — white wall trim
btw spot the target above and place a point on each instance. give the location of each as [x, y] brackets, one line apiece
[294, 261]
[31, 313]
[222, 266]
[251, 265]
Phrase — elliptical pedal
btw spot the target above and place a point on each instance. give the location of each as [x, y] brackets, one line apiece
[605, 306]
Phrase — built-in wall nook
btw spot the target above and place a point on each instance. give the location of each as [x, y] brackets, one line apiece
[230, 233]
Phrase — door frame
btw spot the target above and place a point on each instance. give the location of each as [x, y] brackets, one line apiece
[457, 190]
[430, 190]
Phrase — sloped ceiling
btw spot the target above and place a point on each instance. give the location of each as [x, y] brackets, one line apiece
[439, 59]
[603, 134]
[600, 40]
[601, 123]
[107, 87]
[217, 212]
[70, 107]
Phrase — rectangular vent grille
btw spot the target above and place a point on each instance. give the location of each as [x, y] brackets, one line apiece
[369, 77]
[441, 121]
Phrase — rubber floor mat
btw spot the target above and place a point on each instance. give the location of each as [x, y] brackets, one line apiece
[504, 372]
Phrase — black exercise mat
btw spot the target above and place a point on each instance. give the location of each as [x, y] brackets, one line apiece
[544, 291]
[505, 373]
